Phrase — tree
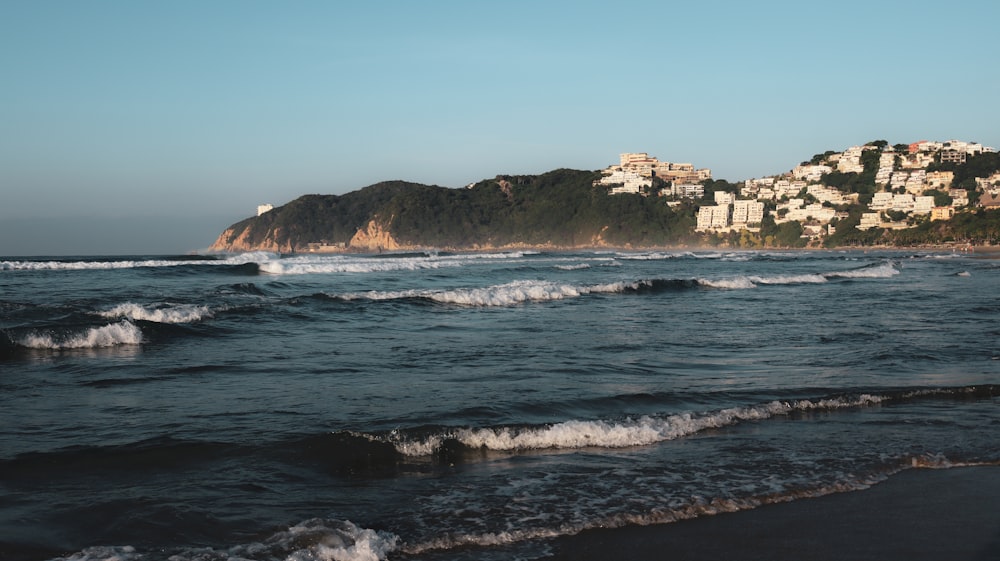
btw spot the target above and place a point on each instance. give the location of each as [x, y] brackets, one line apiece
[940, 197]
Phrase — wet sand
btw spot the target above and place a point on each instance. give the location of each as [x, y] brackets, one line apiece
[919, 514]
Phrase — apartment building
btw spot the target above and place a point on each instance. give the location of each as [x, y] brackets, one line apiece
[713, 218]
[747, 212]
[811, 172]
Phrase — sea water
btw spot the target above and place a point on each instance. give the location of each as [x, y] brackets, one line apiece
[470, 406]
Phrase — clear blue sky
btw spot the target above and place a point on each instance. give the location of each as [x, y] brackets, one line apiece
[151, 126]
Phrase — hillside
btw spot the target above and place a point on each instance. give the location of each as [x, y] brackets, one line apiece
[868, 195]
[558, 209]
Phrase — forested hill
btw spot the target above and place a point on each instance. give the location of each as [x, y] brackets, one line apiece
[560, 209]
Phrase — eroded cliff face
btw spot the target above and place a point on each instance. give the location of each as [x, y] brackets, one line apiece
[232, 242]
[374, 237]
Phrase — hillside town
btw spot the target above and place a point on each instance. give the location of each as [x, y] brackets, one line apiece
[905, 193]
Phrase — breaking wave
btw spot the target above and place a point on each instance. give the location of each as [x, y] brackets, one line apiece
[641, 431]
[121, 333]
[110, 264]
[509, 294]
[316, 539]
[885, 270]
[184, 313]
[306, 265]
[524, 291]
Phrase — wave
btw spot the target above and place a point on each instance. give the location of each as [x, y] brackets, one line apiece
[110, 264]
[508, 294]
[643, 430]
[524, 291]
[625, 433]
[312, 264]
[881, 271]
[316, 539]
[182, 313]
[327, 539]
[114, 334]
[290, 267]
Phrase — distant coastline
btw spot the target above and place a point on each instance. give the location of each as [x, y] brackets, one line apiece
[924, 194]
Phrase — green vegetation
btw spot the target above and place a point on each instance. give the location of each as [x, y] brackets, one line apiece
[560, 208]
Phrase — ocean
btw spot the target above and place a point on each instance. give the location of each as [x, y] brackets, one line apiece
[452, 406]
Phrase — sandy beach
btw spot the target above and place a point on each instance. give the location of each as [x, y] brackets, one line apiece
[920, 514]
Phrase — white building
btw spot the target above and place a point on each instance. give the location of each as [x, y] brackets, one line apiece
[747, 212]
[713, 218]
[886, 165]
[881, 201]
[753, 188]
[959, 197]
[625, 181]
[810, 213]
[724, 198]
[869, 220]
[810, 172]
[903, 202]
[826, 194]
[261, 209]
[923, 205]
[850, 160]
[915, 184]
[686, 190]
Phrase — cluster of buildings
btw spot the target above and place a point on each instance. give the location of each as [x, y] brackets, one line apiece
[800, 195]
[638, 172]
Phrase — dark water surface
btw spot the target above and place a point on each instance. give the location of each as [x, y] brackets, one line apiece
[439, 406]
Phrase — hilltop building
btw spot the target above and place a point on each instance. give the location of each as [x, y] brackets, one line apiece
[636, 171]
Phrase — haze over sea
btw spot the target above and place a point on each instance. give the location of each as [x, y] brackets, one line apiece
[436, 406]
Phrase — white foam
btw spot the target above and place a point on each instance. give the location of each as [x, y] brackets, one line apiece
[641, 431]
[324, 540]
[738, 283]
[509, 294]
[312, 540]
[883, 271]
[121, 333]
[572, 267]
[185, 313]
[240, 259]
[651, 256]
[790, 279]
[103, 553]
[327, 264]
[289, 267]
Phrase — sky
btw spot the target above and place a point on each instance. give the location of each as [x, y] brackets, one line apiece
[149, 127]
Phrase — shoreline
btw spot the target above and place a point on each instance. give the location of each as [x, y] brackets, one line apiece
[956, 248]
[918, 514]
